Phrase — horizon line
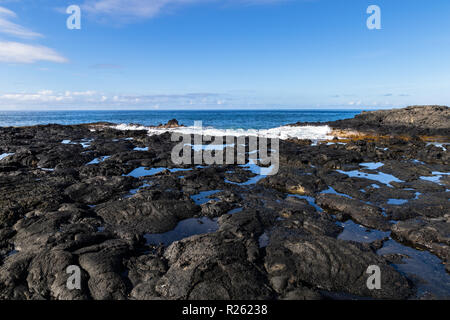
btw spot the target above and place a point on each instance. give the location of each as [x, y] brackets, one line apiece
[206, 109]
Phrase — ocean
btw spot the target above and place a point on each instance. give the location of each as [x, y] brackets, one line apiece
[218, 119]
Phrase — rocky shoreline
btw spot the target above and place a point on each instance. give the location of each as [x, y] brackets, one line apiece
[113, 203]
[427, 123]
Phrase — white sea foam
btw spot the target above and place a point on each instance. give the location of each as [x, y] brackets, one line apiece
[284, 132]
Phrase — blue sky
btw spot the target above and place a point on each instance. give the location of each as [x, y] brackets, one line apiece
[197, 54]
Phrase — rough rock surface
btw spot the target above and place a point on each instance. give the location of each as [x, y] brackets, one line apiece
[363, 213]
[140, 227]
[329, 264]
[413, 120]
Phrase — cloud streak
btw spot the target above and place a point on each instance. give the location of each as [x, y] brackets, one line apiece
[50, 98]
[15, 52]
[129, 9]
[132, 8]
[12, 29]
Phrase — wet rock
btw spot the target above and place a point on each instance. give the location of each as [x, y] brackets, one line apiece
[325, 156]
[37, 233]
[5, 235]
[425, 206]
[298, 214]
[295, 181]
[395, 258]
[24, 194]
[211, 267]
[430, 234]
[96, 190]
[104, 169]
[404, 170]
[170, 124]
[383, 195]
[239, 175]
[61, 154]
[104, 264]
[330, 264]
[425, 120]
[23, 157]
[349, 186]
[145, 271]
[368, 215]
[148, 212]
[47, 276]
[108, 147]
[145, 291]
[13, 273]
[302, 294]
[244, 224]
[222, 203]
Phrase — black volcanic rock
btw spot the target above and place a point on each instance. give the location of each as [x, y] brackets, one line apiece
[170, 124]
[224, 233]
[366, 214]
[414, 120]
[431, 234]
[329, 264]
[410, 121]
[211, 267]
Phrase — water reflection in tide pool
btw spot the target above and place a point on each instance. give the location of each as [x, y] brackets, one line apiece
[355, 232]
[436, 177]
[144, 171]
[380, 176]
[397, 202]
[233, 211]
[204, 196]
[372, 165]
[425, 268]
[311, 201]
[85, 143]
[330, 190]
[185, 228]
[5, 155]
[140, 149]
[98, 160]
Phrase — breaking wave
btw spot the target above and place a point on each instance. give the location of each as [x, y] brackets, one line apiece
[283, 133]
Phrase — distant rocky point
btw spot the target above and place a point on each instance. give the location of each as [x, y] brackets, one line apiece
[414, 120]
[170, 124]
[410, 121]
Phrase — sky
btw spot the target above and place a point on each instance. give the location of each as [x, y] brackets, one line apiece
[223, 54]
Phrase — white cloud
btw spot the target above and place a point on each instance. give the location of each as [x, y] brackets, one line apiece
[32, 97]
[355, 103]
[89, 93]
[13, 29]
[45, 92]
[50, 98]
[15, 52]
[132, 8]
[127, 9]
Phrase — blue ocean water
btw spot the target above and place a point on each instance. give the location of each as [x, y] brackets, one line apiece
[220, 119]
